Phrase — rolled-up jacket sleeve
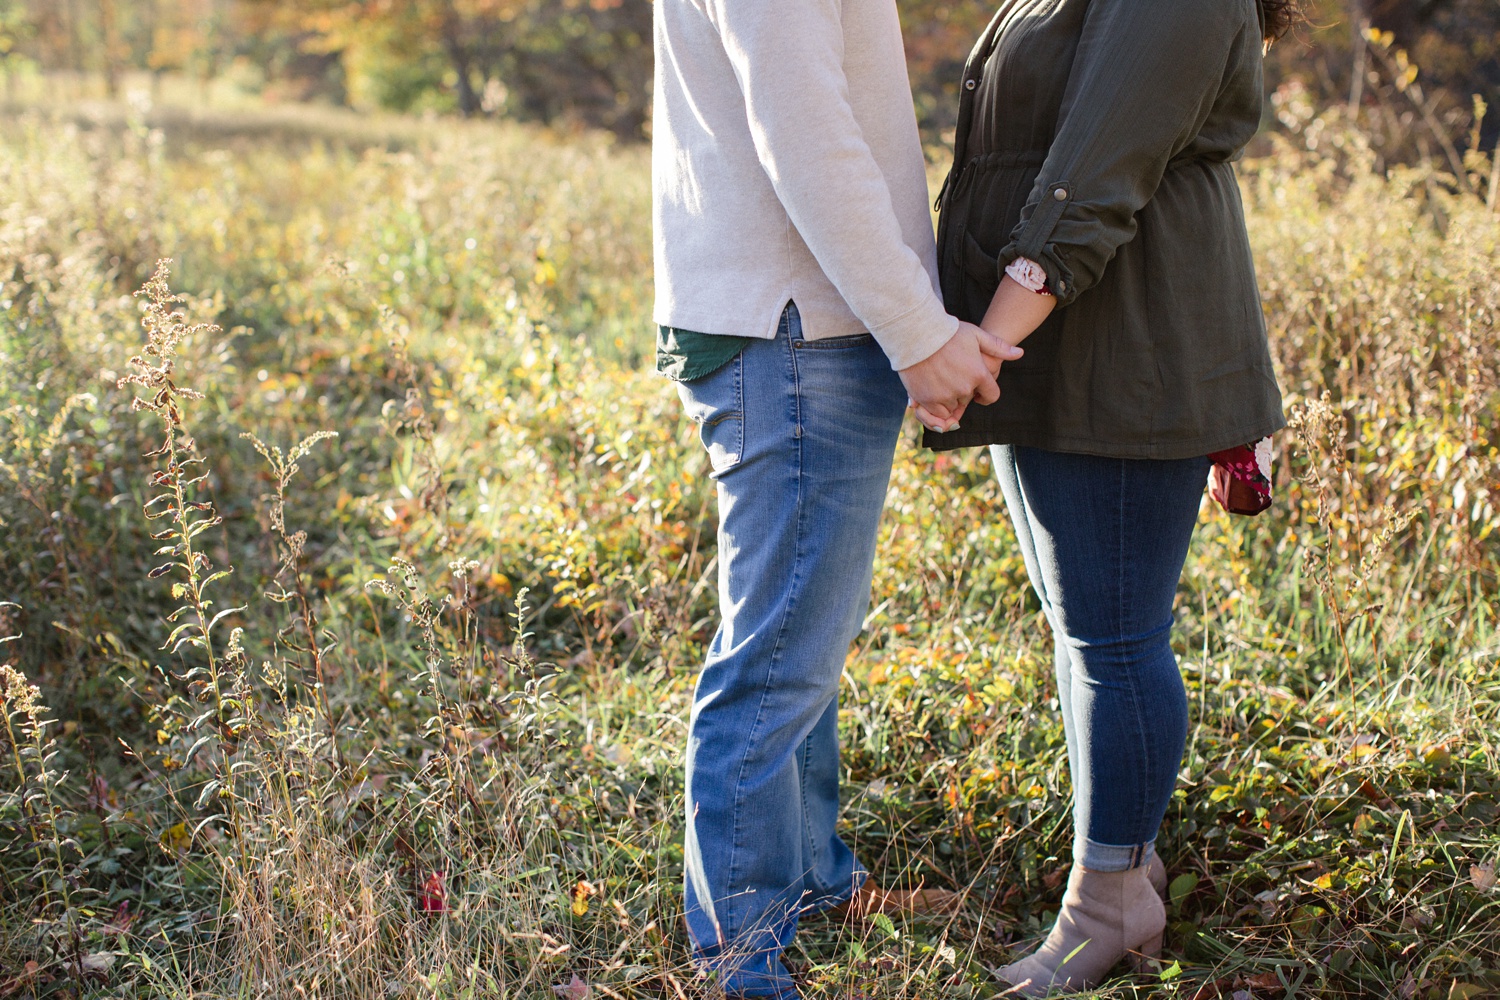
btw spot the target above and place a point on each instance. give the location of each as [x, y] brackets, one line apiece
[1143, 82]
[788, 57]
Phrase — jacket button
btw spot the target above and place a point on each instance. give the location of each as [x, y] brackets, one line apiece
[970, 84]
[1061, 194]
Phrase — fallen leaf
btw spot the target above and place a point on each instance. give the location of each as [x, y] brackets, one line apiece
[1438, 754]
[28, 975]
[1483, 876]
[97, 965]
[432, 897]
[120, 923]
[1375, 793]
[1264, 981]
[576, 989]
[1213, 990]
[581, 893]
[176, 839]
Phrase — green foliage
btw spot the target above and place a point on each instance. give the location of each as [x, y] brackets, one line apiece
[434, 749]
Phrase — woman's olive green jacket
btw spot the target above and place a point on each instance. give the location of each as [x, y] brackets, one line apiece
[1096, 137]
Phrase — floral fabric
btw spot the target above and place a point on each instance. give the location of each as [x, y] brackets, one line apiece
[1241, 477]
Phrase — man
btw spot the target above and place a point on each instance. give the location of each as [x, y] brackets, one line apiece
[795, 279]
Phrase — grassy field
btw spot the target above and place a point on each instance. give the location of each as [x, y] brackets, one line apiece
[424, 739]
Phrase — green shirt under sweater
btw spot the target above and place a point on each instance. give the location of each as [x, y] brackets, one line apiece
[683, 355]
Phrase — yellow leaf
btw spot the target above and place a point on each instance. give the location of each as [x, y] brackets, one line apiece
[581, 893]
[176, 838]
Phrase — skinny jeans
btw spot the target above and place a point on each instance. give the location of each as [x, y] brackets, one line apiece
[1105, 540]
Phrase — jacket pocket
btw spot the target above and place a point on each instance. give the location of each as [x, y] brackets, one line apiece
[981, 267]
[716, 403]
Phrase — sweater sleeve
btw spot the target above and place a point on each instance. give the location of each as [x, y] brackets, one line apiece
[1143, 83]
[788, 57]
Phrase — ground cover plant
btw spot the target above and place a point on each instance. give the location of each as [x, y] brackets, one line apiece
[355, 575]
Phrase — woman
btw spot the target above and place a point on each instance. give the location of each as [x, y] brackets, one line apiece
[1093, 212]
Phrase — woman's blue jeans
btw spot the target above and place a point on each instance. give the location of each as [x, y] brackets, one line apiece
[800, 436]
[1105, 540]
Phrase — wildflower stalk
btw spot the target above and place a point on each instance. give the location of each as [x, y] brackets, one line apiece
[194, 620]
[1319, 428]
[20, 699]
[293, 544]
[1312, 423]
[26, 729]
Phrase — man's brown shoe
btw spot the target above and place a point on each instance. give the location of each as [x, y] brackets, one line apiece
[871, 899]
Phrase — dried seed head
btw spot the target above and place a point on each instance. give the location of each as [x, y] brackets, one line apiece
[20, 694]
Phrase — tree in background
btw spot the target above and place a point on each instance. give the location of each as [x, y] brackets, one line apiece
[15, 32]
[1401, 66]
[938, 39]
[588, 62]
[183, 36]
[541, 60]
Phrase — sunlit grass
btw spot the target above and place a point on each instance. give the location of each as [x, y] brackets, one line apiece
[442, 757]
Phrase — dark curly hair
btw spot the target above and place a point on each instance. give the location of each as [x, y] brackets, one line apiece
[1280, 16]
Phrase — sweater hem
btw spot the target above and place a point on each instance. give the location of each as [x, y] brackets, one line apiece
[907, 339]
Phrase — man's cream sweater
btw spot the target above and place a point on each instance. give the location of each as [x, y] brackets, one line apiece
[786, 166]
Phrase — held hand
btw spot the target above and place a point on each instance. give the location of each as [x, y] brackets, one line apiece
[993, 360]
[964, 369]
[932, 421]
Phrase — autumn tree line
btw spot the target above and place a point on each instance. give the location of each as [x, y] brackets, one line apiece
[1411, 65]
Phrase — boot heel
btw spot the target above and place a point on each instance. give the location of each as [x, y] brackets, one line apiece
[1147, 957]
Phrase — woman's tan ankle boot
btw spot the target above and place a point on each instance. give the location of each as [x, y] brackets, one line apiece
[1157, 873]
[1105, 916]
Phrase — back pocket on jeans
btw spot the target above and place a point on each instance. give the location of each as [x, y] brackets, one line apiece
[716, 404]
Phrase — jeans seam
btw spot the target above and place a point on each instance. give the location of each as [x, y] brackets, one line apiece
[810, 864]
[1132, 677]
[775, 657]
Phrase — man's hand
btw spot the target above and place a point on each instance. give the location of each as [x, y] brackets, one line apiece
[963, 369]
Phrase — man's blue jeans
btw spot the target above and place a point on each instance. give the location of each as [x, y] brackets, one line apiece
[800, 436]
[1104, 541]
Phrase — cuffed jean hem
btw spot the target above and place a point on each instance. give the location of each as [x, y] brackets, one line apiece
[1111, 857]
